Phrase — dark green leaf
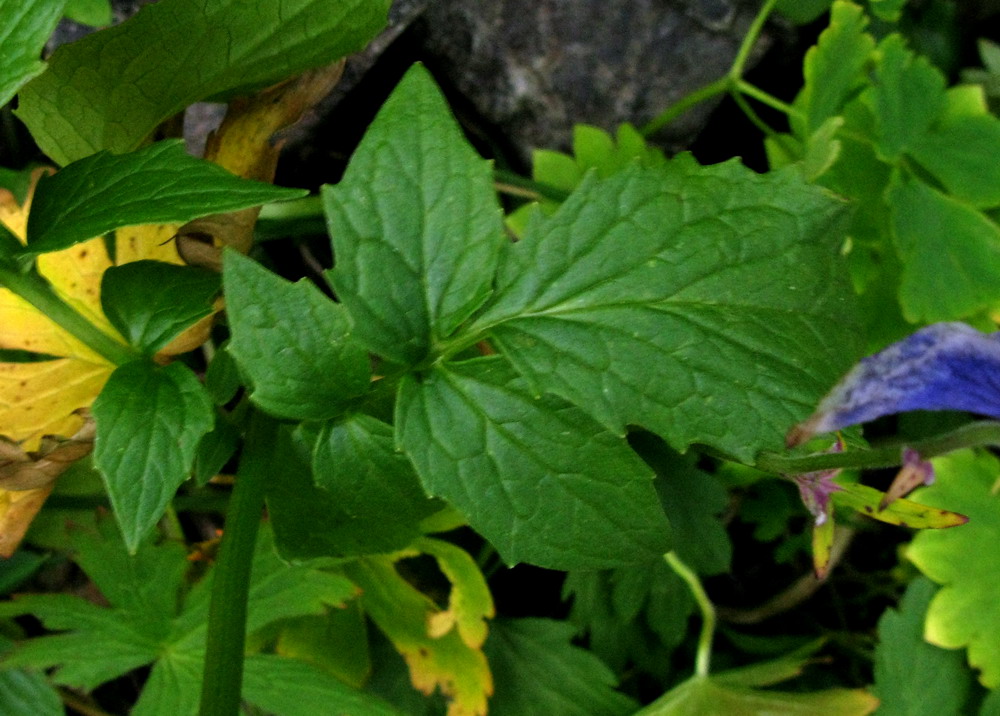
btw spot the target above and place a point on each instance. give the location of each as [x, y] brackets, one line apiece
[112, 88]
[151, 302]
[707, 304]
[222, 378]
[415, 224]
[308, 521]
[292, 688]
[538, 478]
[27, 693]
[356, 462]
[27, 25]
[802, 12]
[950, 254]
[96, 13]
[150, 420]
[214, 451]
[537, 669]
[156, 185]
[293, 343]
[912, 677]
[17, 568]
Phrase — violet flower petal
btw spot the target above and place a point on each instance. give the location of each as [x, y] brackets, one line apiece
[945, 366]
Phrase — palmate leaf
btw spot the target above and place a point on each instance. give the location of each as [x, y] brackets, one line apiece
[682, 299]
[964, 612]
[112, 88]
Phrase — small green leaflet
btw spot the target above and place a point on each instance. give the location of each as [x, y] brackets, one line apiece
[151, 302]
[415, 224]
[538, 478]
[150, 420]
[156, 185]
[139, 73]
[27, 25]
[294, 344]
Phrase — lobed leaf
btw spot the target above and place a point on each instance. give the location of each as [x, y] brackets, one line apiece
[681, 299]
[537, 477]
[109, 90]
[415, 224]
[296, 345]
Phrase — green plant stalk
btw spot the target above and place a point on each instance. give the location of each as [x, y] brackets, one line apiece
[978, 434]
[704, 654]
[750, 39]
[36, 290]
[222, 679]
[538, 190]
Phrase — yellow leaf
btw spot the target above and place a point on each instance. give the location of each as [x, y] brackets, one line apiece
[405, 615]
[17, 510]
[902, 512]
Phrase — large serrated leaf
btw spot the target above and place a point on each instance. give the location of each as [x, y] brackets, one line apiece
[26, 26]
[112, 88]
[294, 343]
[150, 420]
[150, 302]
[707, 304]
[415, 224]
[156, 185]
[538, 478]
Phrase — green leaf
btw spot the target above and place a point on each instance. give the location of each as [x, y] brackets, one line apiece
[222, 377]
[907, 97]
[537, 477]
[295, 345]
[292, 688]
[960, 155]
[912, 677]
[310, 522]
[157, 185]
[684, 299]
[888, 10]
[537, 669]
[27, 25]
[693, 501]
[112, 88]
[950, 254]
[150, 420]
[151, 302]
[26, 693]
[356, 463]
[834, 67]
[964, 560]
[802, 12]
[415, 224]
[96, 13]
[214, 451]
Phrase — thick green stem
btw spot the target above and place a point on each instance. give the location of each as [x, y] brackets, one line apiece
[703, 657]
[36, 290]
[979, 434]
[222, 680]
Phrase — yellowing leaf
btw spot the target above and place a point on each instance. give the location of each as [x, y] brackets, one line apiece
[410, 620]
[905, 513]
[17, 510]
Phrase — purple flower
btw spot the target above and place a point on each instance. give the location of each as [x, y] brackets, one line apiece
[945, 366]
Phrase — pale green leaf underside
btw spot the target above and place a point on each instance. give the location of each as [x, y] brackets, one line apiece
[112, 88]
[26, 26]
[415, 224]
[538, 478]
[707, 304]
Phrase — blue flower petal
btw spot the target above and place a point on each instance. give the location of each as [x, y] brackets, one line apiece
[945, 366]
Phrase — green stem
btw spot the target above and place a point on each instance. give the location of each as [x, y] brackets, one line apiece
[713, 89]
[750, 39]
[222, 679]
[704, 654]
[978, 434]
[765, 98]
[535, 189]
[36, 290]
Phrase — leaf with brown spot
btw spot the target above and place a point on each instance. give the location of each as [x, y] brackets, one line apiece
[904, 513]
